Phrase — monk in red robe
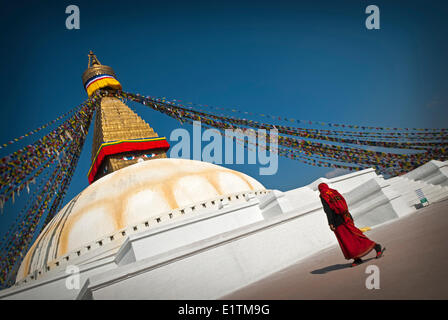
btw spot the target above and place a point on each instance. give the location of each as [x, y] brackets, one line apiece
[353, 242]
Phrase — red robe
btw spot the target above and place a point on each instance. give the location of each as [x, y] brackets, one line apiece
[354, 244]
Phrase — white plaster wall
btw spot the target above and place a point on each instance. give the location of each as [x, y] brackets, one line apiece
[154, 242]
[433, 172]
[209, 256]
[369, 205]
[51, 285]
[223, 264]
[408, 189]
[54, 287]
[218, 265]
[303, 199]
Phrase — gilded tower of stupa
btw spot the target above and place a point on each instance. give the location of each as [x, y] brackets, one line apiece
[121, 138]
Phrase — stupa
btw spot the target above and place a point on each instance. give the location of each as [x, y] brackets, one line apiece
[152, 227]
[121, 193]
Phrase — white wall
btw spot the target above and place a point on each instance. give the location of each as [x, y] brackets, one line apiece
[211, 254]
[433, 172]
[221, 264]
[196, 228]
[208, 270]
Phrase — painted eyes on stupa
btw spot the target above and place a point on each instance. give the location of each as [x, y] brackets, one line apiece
[145, 156]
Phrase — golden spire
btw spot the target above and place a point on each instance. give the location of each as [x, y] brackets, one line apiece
[120, 137]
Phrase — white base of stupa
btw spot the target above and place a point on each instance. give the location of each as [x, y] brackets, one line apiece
[213, 252]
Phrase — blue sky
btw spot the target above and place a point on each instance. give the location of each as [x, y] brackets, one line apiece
[300, 59]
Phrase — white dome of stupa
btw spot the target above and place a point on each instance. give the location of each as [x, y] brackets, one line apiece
[141, 192]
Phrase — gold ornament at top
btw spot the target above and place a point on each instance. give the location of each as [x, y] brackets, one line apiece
[95, 68]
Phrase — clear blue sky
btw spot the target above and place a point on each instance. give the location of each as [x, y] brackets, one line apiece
[301, 59]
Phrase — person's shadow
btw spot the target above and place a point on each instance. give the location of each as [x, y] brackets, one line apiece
[336, 267]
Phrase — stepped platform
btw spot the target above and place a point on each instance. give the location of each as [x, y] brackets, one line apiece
[413, 266]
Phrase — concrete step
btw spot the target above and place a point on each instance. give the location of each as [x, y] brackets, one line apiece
[407, 188]
[433, 172]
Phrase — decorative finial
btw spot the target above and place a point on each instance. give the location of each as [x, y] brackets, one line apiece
[98, 76]
[93, 60]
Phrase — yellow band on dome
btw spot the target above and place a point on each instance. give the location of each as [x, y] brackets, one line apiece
[103, 83]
